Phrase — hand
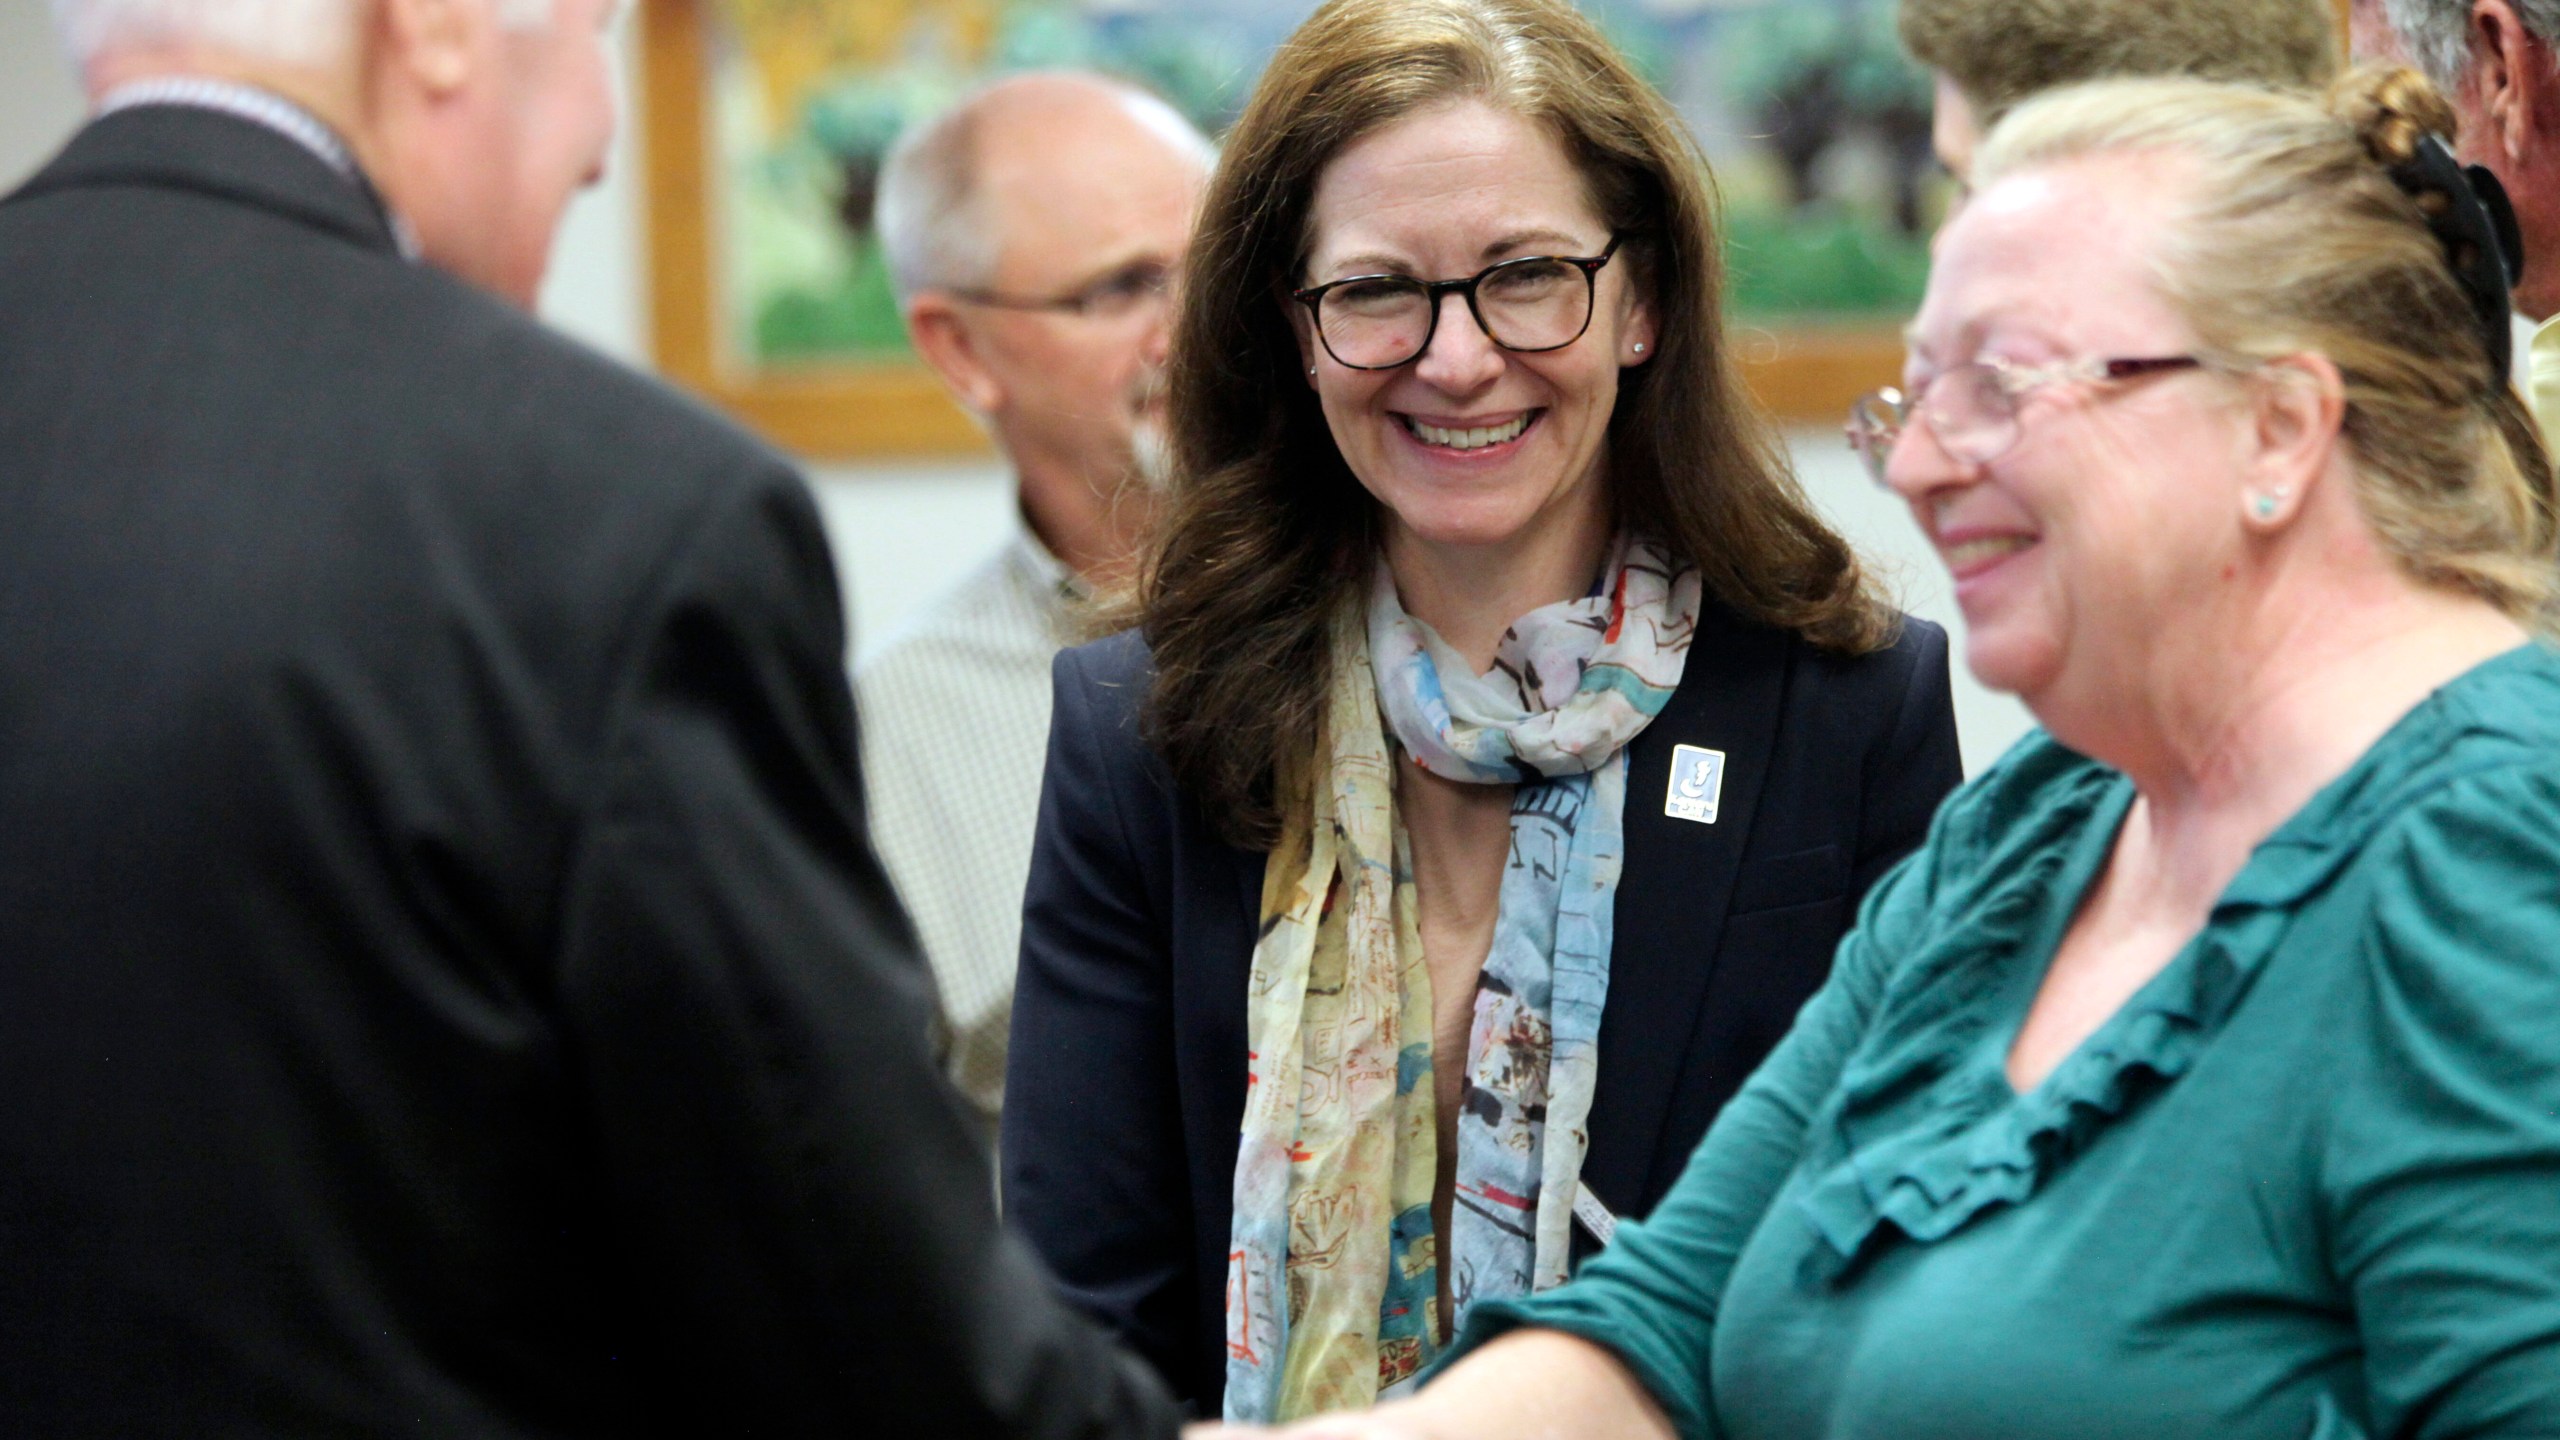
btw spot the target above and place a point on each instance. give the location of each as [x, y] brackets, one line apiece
[1373, 1425]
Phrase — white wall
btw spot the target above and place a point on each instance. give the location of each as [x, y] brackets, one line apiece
[39, 102]
[1882, 529]
[904, 530]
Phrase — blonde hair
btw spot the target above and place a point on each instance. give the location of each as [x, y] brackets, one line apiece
[2000, 52]
[2289, 234]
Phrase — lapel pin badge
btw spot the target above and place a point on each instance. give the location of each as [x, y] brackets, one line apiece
[1697, 784]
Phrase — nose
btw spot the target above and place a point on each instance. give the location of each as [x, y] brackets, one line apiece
[1919, 466]
[1460, 357]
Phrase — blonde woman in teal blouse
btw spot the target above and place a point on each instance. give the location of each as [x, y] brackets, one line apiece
[2201, 1074]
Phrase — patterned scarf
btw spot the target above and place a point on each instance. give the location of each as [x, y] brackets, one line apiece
[1333, 1272]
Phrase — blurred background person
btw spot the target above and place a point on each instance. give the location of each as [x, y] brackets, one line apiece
[2198, 1076]
[1987, 55]
[444, 986]
[2498, 61]
[1033, 232]
[1504, 749]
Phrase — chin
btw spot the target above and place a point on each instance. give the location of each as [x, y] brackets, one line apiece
[1443, 529]
[2011, 664]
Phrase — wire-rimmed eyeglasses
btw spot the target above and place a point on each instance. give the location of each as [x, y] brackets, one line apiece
[1532, 304]
[1108, 296]
[1973, 409]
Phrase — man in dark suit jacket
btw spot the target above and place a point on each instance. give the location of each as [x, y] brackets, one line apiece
[444, 984]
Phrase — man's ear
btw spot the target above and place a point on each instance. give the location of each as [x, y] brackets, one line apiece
[2510, 77]
[2299, 412]
[946, 340]
[436, 42]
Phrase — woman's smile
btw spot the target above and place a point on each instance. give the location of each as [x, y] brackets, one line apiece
[1472, 448]
[1478, 440]
[1973, 555]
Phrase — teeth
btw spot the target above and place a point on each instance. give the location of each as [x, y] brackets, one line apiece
[1475, 439]
[1990, 547]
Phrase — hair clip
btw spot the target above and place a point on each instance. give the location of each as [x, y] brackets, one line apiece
[2477, 228]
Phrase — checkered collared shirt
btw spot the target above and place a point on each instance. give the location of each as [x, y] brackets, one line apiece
[955, 734]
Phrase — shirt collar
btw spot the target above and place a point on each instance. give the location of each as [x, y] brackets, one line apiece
[2545, 347]
[260, 107]
[1047, 571]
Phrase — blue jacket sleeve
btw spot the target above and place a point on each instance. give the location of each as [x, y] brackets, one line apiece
[1093, 1153]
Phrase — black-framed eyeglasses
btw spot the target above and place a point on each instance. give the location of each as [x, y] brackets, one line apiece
[1973, 409]
[1534, 303]
[1109, 296]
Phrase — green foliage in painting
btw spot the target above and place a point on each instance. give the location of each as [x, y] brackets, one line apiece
[1818, 128]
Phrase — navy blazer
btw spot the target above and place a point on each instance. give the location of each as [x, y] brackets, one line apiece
[1125, 1090]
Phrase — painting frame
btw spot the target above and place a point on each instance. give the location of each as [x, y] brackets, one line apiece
[1806, 373]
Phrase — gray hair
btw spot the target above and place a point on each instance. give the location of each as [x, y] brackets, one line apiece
[930, 213]
[2436, 33]
[935, 221]
[292, 32]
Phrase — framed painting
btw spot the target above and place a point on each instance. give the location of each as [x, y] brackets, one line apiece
[765, 121]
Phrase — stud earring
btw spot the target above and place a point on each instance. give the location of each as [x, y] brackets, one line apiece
[1311, 372]
[1639, 347]
[2266, 507]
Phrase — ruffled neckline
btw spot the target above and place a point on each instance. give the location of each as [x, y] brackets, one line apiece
[1925, 1132]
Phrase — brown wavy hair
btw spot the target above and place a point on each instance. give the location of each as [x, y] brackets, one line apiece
[1266, 530]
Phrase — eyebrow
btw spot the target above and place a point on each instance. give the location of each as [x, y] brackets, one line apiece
[1371, 262]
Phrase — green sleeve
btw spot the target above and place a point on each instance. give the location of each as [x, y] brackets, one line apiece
[1651, 1297]
[2442, 1164]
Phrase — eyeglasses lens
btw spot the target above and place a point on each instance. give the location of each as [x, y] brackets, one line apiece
[1974, 416]
[1535, 304]
[1528, 305]
[1375, 323]
[1875, 423]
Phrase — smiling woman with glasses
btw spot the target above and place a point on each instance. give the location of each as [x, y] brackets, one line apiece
[2199, 1076]
[1502, 751]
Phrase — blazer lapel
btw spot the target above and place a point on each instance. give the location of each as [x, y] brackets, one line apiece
[1674, 893]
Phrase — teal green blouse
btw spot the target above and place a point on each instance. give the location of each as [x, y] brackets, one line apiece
[2305, 1183]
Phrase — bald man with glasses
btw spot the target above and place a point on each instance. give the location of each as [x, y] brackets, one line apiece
[1033, 232]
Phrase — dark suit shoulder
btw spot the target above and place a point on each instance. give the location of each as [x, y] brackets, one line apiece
[1099, 713]
[1916, 644]
[579, 418]
[1118, 665]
